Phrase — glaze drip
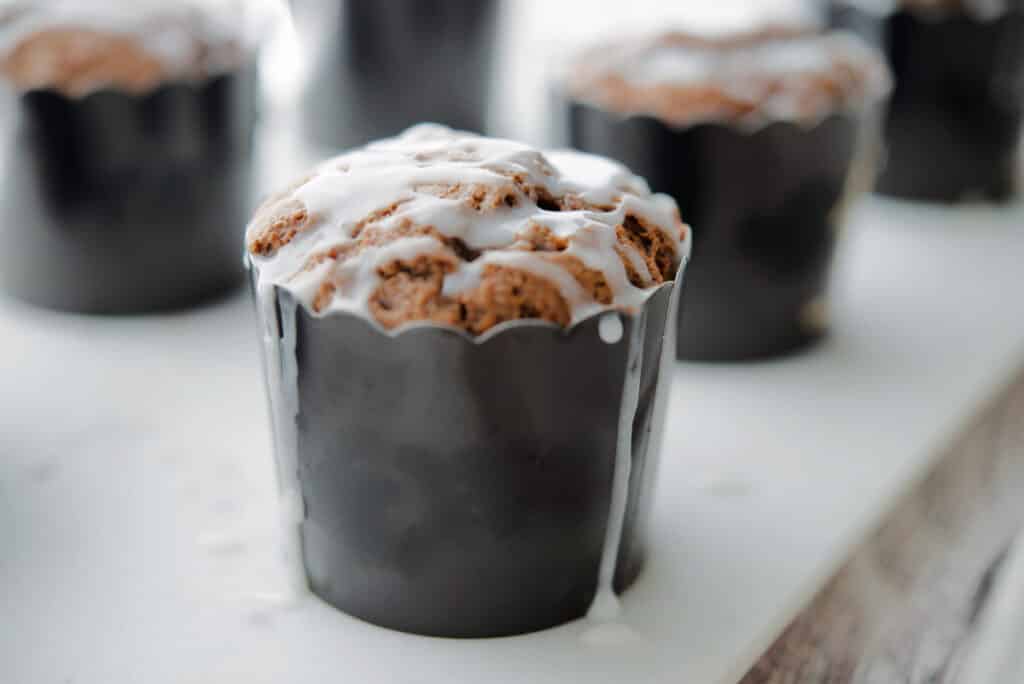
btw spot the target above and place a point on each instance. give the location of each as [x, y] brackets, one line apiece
[606, 607]
[277, 317]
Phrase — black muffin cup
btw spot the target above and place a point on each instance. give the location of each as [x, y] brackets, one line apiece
[461, 487]
[384, 66]
[765, 206]
[121, 203]
[849, 16]
[953, 129]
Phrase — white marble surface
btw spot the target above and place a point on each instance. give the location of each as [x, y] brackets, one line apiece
[136, 492]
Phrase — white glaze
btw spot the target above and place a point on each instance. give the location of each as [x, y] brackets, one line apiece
[610, 328]
[771, 74]
[609, 634]
[662, 394]
[281, 376]
[169, 31]
[400, 171]
[687, 65]
[606, 607]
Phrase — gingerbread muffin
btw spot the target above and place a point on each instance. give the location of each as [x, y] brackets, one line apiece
[953, 128]
[756, 135]
[131, 140]
[464, 340]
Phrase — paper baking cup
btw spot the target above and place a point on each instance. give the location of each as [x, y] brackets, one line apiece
[467, 487]
[117, 203]
[765, 205]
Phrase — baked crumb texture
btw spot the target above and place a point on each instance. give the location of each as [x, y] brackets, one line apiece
[467, 232]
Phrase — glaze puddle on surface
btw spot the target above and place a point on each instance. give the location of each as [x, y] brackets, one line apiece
[605, 634]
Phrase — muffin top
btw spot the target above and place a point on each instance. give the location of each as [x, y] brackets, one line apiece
[456, 229]
[774, 74]
[80, 46]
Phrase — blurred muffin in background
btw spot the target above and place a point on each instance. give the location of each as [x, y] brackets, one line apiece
[129, 140]
[380, 67]
[757, 136]
[953, 129]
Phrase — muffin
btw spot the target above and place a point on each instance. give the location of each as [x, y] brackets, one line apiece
[464, 348]
[380, 67]
[953, 129]
[128, 151]
[757, 136]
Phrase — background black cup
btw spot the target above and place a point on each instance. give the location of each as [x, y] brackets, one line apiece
[850, 16]
[953, 129]
[462, 488]
[764, 206]
[117, 203]
[380, 67]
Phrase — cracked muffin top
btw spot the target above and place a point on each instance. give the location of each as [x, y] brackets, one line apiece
[460, 230]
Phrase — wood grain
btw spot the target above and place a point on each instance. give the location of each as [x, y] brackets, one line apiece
[902, 609]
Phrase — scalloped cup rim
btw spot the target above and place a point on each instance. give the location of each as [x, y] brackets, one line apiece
[750, 126]
[936, 14]
[540, 324]
[191, 84]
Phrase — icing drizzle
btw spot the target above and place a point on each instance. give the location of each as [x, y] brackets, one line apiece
[471, 189]
[775, 74]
